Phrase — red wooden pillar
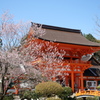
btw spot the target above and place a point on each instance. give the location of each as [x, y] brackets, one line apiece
[82, 87]
[72, 80]
[67, 80]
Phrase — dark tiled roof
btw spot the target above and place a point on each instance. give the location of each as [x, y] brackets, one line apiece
[94, 70]
[66, 35]
[61, 28]
[94, 62]
[91, 72]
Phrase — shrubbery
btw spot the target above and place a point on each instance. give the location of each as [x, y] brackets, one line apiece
[67, 91]
[8, 97]
[91, 98]
[98, 87]
[48, 89]
[29, 94]
[53, 98]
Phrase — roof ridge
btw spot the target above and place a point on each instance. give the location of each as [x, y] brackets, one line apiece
[57, 28]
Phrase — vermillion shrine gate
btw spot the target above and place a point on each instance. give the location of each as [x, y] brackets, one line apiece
[76, 46]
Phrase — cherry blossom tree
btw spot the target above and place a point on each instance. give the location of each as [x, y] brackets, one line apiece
[13, 57]
[22, 56]
[48, 56]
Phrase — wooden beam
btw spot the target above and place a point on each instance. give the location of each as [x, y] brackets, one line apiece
[82, 87]
[72, 80]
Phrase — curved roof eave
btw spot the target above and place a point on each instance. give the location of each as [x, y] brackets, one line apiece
[66, 36]
[95, 45]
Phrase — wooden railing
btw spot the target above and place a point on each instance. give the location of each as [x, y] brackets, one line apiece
[88, 92]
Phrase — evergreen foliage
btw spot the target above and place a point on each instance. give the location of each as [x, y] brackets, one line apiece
[10, 97]
[29, 94]
[90, 37]
[98, 87]
[93, 39]
[49, 89]
[67, 91]
[53, 98]
[91, 98]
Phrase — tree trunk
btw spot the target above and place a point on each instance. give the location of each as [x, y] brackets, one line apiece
[4, 91]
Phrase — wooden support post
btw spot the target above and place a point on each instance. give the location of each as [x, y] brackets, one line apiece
[67, 83]
[72, 80]
[82, 81]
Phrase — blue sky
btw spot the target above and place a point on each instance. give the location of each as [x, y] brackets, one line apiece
[75, 14]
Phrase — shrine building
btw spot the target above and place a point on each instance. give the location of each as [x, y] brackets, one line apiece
[79, 51]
